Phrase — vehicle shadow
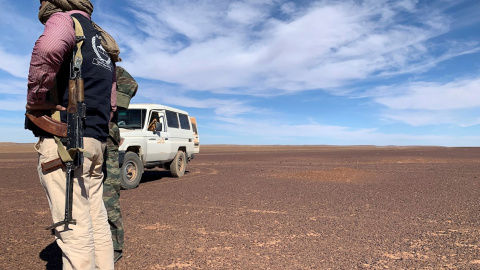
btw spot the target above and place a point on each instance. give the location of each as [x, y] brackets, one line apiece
[150, 175]
[52, 254]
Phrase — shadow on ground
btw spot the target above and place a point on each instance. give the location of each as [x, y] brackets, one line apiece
[154, 175]
[52, 255]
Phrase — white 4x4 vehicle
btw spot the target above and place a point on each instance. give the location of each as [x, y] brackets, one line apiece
[153, 136]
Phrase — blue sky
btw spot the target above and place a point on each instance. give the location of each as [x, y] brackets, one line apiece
[330, 72]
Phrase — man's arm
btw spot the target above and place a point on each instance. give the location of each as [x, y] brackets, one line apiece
[49, 52]
[113, 99]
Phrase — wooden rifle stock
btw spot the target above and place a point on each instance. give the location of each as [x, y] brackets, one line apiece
[72, 96]
[80, 91]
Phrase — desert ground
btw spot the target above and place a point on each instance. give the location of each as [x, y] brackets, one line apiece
[273, 207]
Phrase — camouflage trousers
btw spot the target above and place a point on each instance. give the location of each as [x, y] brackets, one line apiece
[111, 195]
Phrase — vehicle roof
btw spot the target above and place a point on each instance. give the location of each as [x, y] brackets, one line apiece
[151, 106]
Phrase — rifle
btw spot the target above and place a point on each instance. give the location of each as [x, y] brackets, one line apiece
[76, 114]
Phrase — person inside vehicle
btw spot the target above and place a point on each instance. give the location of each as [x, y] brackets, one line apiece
[153, 121]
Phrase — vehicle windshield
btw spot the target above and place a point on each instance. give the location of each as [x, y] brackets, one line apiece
[131, 118]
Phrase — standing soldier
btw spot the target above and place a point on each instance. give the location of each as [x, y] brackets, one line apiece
[69, 35]
[111, 190]
[126, 89]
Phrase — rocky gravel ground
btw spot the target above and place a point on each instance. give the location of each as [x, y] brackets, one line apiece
[273, 207]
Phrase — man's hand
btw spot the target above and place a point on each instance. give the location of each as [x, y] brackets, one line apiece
[45, 106]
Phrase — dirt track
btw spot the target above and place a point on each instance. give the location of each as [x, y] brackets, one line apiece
[274, 208]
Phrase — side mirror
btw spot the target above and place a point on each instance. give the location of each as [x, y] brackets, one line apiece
[158, 126]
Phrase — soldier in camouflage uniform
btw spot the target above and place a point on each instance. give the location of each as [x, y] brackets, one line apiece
[126, 89]
[111, 190]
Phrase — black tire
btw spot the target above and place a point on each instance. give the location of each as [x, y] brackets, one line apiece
[179, 164]
[131, 171]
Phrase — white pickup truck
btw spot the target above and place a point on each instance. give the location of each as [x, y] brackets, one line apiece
[154, 136]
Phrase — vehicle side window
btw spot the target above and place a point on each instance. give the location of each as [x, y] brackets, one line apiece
[131, 118]
[184, 123]
[162, 121]
[172, 119]
[194, 126]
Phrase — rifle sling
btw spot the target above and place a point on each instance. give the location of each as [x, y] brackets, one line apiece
[69, 155]
[80, 37]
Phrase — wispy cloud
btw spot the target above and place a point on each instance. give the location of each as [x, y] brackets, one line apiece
[13, 104]
[175, 96]
[464, 118]
[430, 103]
[19, 31]
[261, 130]
[435, 96]
[265, 45]
[13, 86]
[18, 23]
[17, 65]
[231, 60]
[13, 93]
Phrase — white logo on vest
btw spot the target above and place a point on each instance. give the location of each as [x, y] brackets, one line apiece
[103, 59]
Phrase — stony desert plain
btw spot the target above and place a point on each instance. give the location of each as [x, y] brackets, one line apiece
[273, 207]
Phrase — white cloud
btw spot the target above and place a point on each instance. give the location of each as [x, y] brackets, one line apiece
[235, 49]
[288, 8]
[434, 96]
[13, 104]
[16, 19]
[245, 13]
[13, 94]
[417, 118]
[430, 103]
[17, 65]
[178, 97]
[274, 132]
[13, 86]
[19, 29]
[235, 45]
[420, 118]
[408, 5]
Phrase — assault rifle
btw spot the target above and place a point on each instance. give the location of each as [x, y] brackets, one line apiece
[68, 134]
[76, 113]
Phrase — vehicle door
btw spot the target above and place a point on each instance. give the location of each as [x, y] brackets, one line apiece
[158, 145]
[196, 138]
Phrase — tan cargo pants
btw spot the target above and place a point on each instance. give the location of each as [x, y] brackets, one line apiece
[88, 244]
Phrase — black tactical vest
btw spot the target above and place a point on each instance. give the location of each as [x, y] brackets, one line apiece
[97, 71]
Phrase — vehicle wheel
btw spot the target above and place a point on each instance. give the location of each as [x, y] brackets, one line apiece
[178, 165]
[131, 172]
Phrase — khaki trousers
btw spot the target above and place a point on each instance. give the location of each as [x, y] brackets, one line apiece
[88, 244]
